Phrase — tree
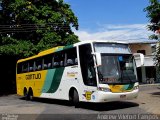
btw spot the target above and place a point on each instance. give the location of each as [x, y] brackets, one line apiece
[30, 26]
[153, 13]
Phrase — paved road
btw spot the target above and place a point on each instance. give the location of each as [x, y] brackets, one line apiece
[149, 98]
[148, 102]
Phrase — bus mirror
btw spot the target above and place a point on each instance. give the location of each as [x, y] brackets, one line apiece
[98, 58]
[141, 56]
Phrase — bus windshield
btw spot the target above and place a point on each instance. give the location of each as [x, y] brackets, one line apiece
[116, 69]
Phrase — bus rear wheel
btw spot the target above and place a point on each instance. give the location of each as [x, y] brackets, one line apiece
[25, 94]
[30, 95]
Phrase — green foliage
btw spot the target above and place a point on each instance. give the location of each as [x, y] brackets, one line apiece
[153, 13]
[20, 48]
[30, 26]
[153, 37]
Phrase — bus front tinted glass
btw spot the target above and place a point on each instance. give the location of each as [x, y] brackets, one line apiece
[117, 69]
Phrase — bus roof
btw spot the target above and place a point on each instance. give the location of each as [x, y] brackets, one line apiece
[58, 48]
[100, 41]
[45, 52]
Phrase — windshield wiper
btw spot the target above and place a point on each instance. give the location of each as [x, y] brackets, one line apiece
[100, 76]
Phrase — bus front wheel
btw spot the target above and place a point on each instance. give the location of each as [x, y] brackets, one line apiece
[75, 98]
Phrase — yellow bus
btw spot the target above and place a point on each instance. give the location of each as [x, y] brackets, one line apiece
[88, 71]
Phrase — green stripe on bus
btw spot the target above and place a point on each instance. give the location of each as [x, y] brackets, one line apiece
[59, 49]
[48, 80]
[67, 47]
[130, 86]
[56, 80]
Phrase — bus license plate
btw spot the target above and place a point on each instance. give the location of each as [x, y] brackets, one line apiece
[122, 96]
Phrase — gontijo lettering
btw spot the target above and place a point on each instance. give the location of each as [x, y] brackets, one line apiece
[33, 76]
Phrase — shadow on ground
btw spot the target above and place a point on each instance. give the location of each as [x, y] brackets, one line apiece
[158, 87]
[155, 94]
[90, 106]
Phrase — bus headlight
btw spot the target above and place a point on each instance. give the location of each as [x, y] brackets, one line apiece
[104, 89]
[136, 87]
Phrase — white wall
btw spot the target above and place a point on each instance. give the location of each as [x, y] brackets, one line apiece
[135, 47]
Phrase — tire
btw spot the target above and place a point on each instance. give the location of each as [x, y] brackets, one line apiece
[75, 99]
[25, 94]
[30, 95]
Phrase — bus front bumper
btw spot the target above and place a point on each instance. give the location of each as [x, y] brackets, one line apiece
[109, 96]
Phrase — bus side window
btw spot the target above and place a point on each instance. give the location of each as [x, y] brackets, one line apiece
[38, 64]
[55, 64]
[31, 66]
[61, 59]
[39, 67]
[58, 60]
[25, 67]
[49, 65]
[69, 62]
[76, 61]
[45, 66]
[19, 68]
[61, 63]
[47, 62]
[71, 57]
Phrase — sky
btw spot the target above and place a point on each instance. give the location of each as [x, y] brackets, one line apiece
[111, 19]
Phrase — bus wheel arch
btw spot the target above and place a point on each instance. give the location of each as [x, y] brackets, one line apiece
[74, 96]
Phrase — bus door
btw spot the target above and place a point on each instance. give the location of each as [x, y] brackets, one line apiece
[88, 71]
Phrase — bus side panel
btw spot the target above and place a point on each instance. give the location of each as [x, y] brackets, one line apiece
[67, 78]
[52, 82]
[20, 84]
[56, 83]
[71, 78]
[34, 80]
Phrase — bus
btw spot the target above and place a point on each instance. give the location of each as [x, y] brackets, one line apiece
[87, 71]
